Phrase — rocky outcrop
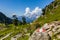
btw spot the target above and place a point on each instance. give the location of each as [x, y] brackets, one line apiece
[48, 31]
[39, 36]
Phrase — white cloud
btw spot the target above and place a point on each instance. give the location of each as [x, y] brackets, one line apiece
[34, 13]
[27, 10]
[36, 10]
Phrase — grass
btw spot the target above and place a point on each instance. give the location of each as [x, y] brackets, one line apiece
[23, 38]
[50, 17]
[16, 30]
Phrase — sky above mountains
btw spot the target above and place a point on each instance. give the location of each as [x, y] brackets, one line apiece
[19, 7]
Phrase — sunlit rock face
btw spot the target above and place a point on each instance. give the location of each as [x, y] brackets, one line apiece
[48, 31]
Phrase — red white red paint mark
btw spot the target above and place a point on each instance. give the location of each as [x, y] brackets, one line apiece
[41, 30]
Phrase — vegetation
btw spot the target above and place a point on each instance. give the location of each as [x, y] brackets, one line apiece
[50, 13]
[24, 20]
[15, 20]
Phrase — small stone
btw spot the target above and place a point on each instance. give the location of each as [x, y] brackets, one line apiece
[58, 36]
[50, 33]
[54, 39]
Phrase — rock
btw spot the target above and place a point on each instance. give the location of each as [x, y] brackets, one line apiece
[16, 36]
[39, 36]
[51, 29]
[50, 33]
[58, 36]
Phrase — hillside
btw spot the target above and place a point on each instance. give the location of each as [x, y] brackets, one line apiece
[49, 22]
[50, 13]
[4, 19]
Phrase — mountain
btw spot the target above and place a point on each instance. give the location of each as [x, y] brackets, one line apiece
[28, 20]
[4, 18]
[32, 16]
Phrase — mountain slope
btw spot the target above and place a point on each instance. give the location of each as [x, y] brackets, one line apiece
[51, 13]
[4, 18]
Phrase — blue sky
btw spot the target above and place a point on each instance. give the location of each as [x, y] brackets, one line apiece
[8, 7]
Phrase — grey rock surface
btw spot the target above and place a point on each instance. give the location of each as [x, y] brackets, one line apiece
[52, 28]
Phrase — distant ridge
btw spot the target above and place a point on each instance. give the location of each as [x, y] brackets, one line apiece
[4, 18]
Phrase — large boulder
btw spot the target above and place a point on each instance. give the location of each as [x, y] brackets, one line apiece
[40, 36]
[48, 31]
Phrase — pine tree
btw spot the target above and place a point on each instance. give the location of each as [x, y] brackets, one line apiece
[15, 20]
[24, 20]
